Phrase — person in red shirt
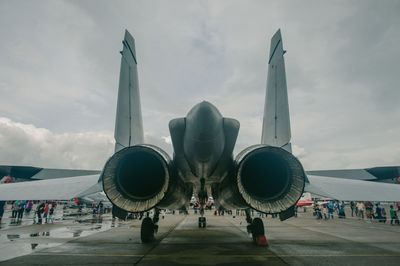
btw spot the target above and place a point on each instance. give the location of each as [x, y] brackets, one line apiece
[46, 213]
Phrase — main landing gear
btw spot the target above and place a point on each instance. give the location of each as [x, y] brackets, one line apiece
[149, 227]
[255, 227]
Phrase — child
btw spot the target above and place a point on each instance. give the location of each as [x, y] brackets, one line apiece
[325, 211]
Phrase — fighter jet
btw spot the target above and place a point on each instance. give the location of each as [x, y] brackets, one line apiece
[139, 176]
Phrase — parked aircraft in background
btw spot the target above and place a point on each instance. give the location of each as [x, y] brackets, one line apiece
[305, 200]
[265, 177]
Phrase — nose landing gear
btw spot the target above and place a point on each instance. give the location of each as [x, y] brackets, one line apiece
[202, 222]
[202, 197]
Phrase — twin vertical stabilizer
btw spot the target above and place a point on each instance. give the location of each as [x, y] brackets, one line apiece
[276, 123]
[128, 122]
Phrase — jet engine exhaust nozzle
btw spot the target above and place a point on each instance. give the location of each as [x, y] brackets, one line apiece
[136, 178]
[269, 179]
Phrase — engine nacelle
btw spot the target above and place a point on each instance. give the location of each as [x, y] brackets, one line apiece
[268, 179]
[140, 177]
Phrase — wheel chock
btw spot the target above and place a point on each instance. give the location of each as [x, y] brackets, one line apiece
[262, 241]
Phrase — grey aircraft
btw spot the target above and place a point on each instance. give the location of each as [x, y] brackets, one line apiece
[139, 177]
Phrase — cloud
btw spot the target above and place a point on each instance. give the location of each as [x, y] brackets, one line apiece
[299, 152]
[25, 144]
[59, 67]
[167, 139]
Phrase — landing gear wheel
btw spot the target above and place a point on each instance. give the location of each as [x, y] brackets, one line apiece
[257, 228]
[202, 222]
[155, 228]
[257, 231]
[147, 230]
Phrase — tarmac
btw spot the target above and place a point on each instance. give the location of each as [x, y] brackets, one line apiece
[298, 241]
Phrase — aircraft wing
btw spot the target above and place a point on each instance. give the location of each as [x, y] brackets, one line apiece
[351, 189]
[368, 174]
[97, 197]
[32, 173]
[52, 189]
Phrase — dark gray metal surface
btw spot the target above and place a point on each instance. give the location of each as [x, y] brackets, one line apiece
[203, 140]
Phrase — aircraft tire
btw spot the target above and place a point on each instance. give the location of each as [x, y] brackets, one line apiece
[202, 222]
[257, 228]
[147, 230]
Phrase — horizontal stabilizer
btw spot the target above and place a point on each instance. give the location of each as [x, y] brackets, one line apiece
[51, 189]
[350, 189]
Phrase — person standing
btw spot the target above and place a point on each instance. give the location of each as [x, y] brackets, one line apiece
[94, 211]
[369, 210]
[330, 210]
[352, 206]
[325, 211]
[336, 207]
[393, 216]
[14, 209]
[51, 214]
[39, 212]
[2, 204]
[46, 213]
[100, 209]
[383, 211]
[378, 212]
[21, 209]
[360, 208]
[318, 212]
[29, 207]
[342, 214]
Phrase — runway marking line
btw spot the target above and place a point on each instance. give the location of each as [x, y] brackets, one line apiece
[213, 256]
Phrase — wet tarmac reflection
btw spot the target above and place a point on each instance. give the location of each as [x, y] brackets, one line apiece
[21, 237]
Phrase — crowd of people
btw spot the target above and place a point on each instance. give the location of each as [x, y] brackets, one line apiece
[98, 209]
[18, 208]
[43, 213]
[362, 210]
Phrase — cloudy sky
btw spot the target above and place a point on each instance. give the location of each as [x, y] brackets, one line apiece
[59, 67]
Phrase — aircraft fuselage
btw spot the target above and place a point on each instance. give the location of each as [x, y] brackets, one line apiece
[204, 139]
[203, 144]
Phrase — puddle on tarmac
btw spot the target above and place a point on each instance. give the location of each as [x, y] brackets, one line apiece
[22, 238]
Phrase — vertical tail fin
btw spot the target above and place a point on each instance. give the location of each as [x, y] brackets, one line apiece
[128, 122]
[276, 123]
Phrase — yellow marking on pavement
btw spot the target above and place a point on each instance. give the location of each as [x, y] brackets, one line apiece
[213, 255]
